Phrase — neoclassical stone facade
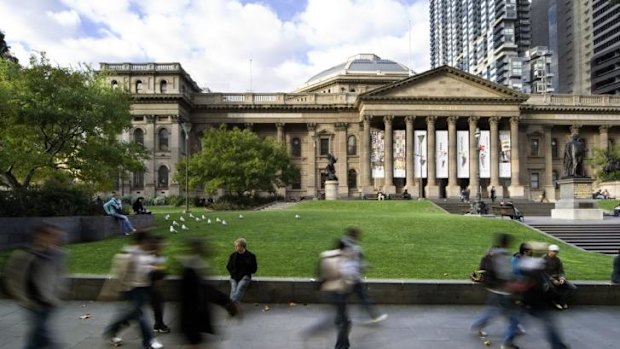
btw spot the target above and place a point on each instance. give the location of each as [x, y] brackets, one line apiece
[441, 130]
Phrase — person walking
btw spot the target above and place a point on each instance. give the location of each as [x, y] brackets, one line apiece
[493, 194]
[40, 273]
[114, 208]
[132, 268]
[157, 274]
[350, 241]
[241, 265]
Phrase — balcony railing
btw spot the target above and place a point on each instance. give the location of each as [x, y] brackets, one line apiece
[141, 67]
[275, 98]
[574, 100]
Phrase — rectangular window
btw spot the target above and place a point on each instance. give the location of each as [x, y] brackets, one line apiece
[324, 146]
[535, 180]
[534, 147]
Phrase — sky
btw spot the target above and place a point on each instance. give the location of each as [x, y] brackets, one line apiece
[225, 45]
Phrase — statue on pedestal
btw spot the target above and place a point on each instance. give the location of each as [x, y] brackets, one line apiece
[330, 169]
[574, 153]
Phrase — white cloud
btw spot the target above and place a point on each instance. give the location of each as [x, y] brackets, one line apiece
[215, 40]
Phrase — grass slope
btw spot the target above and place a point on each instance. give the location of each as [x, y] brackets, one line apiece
[401, 239]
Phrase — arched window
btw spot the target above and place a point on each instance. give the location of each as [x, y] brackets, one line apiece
[114, 84]
[138, 180]
[351, 145]
[554, 148]
[138, 86]
[352, 179]
[162, 177]
[138, 136]
[296, 147]
[163, 86]
[163, 139]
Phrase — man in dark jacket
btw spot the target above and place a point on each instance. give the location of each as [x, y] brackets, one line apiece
[561, 289]
[241, 265]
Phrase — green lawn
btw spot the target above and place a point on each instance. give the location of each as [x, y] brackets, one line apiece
[608, 205]
[402, 239]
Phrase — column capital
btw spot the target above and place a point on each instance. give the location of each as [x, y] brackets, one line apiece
[473, 120]
[150, 118]
[604, 128]
[514, 120]
[430, 120]
[452, 119]
[366, 118]
[409, 118]
[249, 125]
[494, 120]
[341, 126]
[574, 129]
[388, 118]
[311, 126]
[280, 124]
[175, 119]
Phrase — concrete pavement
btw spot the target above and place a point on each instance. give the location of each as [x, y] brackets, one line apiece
[311, 327]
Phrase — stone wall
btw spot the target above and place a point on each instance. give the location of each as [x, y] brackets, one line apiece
[16, 231]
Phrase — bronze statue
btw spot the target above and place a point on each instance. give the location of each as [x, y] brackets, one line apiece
[574, 153]
[330, 169]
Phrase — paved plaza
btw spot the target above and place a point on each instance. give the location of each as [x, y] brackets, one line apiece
[310, 327]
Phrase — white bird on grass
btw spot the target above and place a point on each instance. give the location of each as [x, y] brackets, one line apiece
[224, 222]
[197, 219]
[167, 217]
[240, 216]
[172, 230]
[191, 215]
[297, 216]
[182, 219]
[175, 223]
[184, 227]
[209, 221]
[203, 217]
[217, 219]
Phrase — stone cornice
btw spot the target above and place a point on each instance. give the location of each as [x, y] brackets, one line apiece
[441, 100]
[568, 108]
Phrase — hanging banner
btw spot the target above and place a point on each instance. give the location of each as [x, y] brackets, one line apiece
[377, 153]
[462, 154]
[485, 155]
[441, 151]
[504, 154]
[420, 164]
[400, 151]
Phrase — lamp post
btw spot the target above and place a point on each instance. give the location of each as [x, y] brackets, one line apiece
[186, 128]
[477, 204]
[420, 141]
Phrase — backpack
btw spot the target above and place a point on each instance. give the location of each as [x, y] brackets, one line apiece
[330, 271]
[17, 274]
[123, 268]
[485, 274]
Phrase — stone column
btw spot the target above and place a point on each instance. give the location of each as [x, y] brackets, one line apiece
[388, 160]
[604, 137]
[494, 150]
[311, 160]
[432, 190]
[453, 190]
[280, 132]
[474, 161]
[410, 183]
[549, 187]
[365, 170]
[516, 189]
[340, 150]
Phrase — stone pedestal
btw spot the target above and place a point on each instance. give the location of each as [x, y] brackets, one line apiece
[453, 191]
[576, 201]
[432, 191]
[331, 190]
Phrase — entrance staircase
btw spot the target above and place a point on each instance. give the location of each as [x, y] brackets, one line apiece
[602, 238]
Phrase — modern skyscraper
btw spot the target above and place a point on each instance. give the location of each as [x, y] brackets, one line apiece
[488, 38]
[606, 47]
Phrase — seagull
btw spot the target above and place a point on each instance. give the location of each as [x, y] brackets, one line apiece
[182, 219]
[240, 216]
[191, 215]
[224, 222]
[209, 221]
[217, 219]
[203, 217]
[172, 230]
[175, 223]
[167, 217]
[197, 219]
[184, 227]
[297, 216]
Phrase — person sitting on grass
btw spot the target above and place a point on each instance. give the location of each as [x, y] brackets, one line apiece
[114, 208]
[138, 207]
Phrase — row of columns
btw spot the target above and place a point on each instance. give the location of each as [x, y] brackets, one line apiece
[432, 189]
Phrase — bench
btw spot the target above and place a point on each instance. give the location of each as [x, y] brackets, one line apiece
[510, 211]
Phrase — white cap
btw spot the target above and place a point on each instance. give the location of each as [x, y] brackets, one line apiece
[555, 248]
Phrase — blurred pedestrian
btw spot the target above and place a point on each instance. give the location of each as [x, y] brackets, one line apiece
[561, 288]
[132, 268]
[241, 265]
[36, 279]
[196, 295]
[351, 242]
[615, 275]
[114, 208]
[157, 275]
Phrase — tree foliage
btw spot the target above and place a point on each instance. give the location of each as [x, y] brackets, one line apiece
[62, 121]
[238, 161]
[604, 162]
[5, 52]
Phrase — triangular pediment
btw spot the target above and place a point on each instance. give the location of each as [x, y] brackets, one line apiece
[443, 82]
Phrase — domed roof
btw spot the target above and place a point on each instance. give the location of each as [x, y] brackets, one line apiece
[362, 64]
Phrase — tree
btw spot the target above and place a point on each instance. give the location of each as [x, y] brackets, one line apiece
[238, 161]
[5, 52]
[63, 121]
[606, 163]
